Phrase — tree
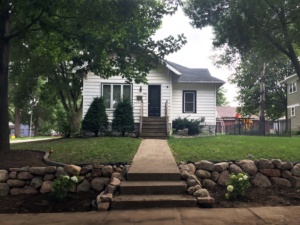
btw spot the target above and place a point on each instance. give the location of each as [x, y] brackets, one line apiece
[95, 120]
[221, 98]
[106, 37]
[246, 78]
[123, 117]
[264, 27]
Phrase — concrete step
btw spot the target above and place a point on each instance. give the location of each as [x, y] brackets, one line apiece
[154, 119]
[154, 124]
[157, 134]
[154, 130]
[152, 201]
[153, 187]
[153, 176]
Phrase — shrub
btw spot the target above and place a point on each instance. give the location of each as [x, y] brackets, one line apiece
[62, 185]
[123, 117]
[236, 185]
[95, 120]
[192, 125]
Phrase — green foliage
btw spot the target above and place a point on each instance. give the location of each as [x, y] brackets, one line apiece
[95, 120]
[62, 185]
[236, 185]
[123, 117]
[221, 98]
[192, 125]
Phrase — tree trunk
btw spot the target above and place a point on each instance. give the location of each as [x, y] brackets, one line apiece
[17, 121]
[4, 55]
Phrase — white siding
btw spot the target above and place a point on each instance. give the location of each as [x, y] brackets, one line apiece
[206, 102]
[92, 88]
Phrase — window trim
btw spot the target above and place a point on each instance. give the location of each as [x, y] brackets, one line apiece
[293, 109]
[292, 87]
[194, 101]
[111, 92]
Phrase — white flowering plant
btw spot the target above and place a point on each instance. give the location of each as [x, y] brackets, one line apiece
[62, 185]
[236, 185]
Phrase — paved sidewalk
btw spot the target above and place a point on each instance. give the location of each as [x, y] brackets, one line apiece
[174, 216]
[32, 140]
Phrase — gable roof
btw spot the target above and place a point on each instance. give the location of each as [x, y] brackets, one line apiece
[289, 78]
[192, 75]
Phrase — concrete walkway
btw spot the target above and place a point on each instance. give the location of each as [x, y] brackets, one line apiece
[12, 141]
[174, 216]
[155, 159]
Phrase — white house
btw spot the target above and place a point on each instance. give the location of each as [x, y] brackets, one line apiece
[172, 91]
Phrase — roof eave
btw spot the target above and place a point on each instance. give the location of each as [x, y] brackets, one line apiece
[173, 69]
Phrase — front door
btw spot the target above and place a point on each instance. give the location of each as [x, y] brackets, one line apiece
[154, 100]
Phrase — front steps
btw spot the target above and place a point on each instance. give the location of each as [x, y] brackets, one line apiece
[153, 180]
[154, 127]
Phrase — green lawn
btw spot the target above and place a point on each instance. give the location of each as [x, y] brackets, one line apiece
[86, 150]
[235, 147]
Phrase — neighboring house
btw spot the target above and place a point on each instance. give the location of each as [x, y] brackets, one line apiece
[293, 100]
[172, 91]
[24, 130]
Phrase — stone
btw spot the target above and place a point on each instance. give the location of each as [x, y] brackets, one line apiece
[36, 182]
[202, 174]
[12, 175]
[261, 180]
[191, 190]
[3, 176]
[219, 167]
[107, 171]
[110, 189]
[72, 170]
[201, 193]
[115, 181]
[28, 190]
[84, 186]
[25, 169]
[295, 181]
[60, 172]
[40, 171]
[49, 177]
[125, 170]
[192, 181]
[248, 166]
[205, 200]
[214, 176]
[103, 206]
[4, 189]
[185, 174]
[286, 174]
[99, 183]
[280, 182]
[205, 165]
[209, 184]
[89, 175]
[233, 168]
[106, 197]
[286, 166]
[116, 175]
[265, 164]
[224, 176]
[184, 167]
[277, 163]
[24, 176]
[96, 172]
[14, 183]
[296, 170]
[119, 169]
[86, 169]
[271, 172]
[97, 166]
[46, 186]
[50, 169]
[192, 168]
[98, 199]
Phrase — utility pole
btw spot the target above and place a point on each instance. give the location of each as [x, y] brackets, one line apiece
[262, 102]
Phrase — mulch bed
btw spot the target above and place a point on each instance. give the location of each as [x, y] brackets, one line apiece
[80, 202]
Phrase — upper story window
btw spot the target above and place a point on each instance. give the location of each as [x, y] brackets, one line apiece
[113, 93]
[293, 111]
[293, 87]
[189, 102]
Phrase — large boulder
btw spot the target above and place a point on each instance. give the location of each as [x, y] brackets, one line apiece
[192, 168]
[86, 169]
[4, 189]
[3, 176]
[37, 170]
[271, 172]
[201, 193]
[286, 166]
[50, 169]
[24, 176]
[265, 164]
[72, 170]
[295, 181]
[99, 183]
[46, 186]
[261, 180]
[84, 186]
[277, 163]
[36, 182]
[296, 170]
[202, 174]
[280, 182]
[205, 165]
[15, 183]
[248, 166]
[214, 176]
[107, 171]
[60, 172]
[221, 166]
[233, 168]
[208, 183]
[224, 176]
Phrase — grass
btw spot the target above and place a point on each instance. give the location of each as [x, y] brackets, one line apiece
[87, 150]
[31, 138]
[235, 148]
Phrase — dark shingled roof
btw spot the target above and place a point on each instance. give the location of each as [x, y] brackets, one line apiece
[194, 75]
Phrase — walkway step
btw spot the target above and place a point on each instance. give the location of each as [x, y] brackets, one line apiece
[153, 176]
[152, 201]
[153, 187]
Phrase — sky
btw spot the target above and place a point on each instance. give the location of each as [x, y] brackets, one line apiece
[198, 51]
